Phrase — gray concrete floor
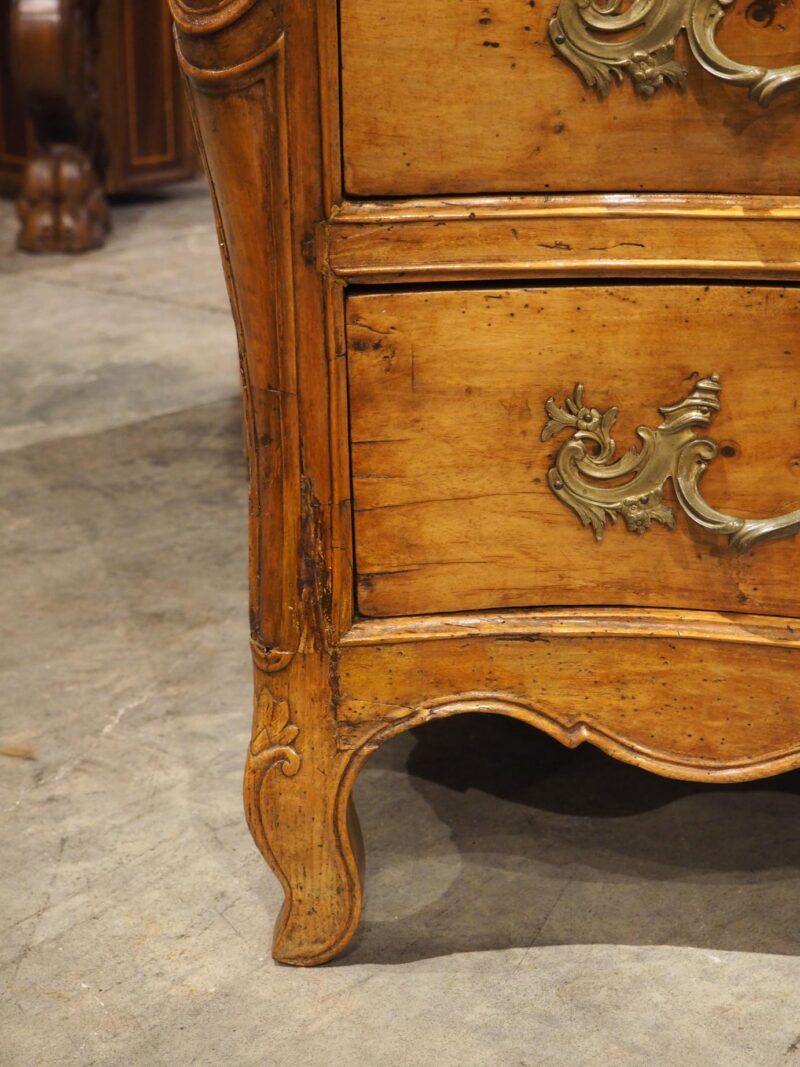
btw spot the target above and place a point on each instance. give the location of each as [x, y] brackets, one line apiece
[526, 905]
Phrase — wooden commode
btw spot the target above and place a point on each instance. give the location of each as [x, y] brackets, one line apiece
[516, 291]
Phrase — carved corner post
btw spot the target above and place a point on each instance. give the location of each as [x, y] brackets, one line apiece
[252, 74]
[54, 43]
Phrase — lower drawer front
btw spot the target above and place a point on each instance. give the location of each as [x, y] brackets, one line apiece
[454, 506]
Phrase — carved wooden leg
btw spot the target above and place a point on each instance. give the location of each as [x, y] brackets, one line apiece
[250, 69]
[300, 813]
[62, 207]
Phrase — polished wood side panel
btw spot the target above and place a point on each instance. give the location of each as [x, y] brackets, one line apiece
[636, 698]
[149, 57]
[459, 96]
[252, 70]
[452, 505]
[143, 111]
[15, 134]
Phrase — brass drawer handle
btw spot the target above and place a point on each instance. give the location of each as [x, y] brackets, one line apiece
[586, 33]
[586, 460]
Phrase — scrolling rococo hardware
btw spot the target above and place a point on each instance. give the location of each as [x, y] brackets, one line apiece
[596, 39]
[671, 451]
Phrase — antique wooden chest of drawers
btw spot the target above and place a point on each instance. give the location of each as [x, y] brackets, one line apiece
[469, 244]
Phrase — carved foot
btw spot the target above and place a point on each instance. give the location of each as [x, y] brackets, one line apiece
[297, 800]
[62, 207]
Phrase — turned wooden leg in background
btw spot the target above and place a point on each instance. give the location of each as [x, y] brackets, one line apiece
[62, 206]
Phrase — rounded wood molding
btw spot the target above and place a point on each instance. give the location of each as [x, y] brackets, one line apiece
[201, 17]
[665, 623]
[668, 765]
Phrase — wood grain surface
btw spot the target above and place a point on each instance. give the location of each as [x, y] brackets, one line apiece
[666, 650]
[254, 74]
[404, 249]
[638, 699]
[452, 506]
[468, 96]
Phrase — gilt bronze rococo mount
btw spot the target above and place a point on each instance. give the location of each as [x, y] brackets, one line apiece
[604, 41]
[585, 465]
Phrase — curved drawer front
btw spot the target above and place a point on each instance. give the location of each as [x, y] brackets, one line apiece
[461, 504]
[460, 96]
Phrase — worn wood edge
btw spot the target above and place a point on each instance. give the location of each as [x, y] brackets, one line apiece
[657, 623]
[279, 548]
[330, 105]
[209, 76]
[495, 269]
[718, 236]
[350, 844]
[612, 205]
[251, 69]
[580, 732]
[348, 832]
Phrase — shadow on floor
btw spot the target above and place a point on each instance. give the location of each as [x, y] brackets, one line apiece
[507, 839]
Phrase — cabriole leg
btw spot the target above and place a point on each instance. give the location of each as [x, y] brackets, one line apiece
[254, 89]
[301, 815]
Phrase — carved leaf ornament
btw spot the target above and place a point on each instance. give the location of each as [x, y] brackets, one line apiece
[273, 743]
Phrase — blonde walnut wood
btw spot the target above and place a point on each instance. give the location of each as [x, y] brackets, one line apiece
[455, 582]
[452, 504]
[445, 248]
[298, 803]
[605, 677]
[622, 695]
[236, 58]
[458, 97]
[546, 623]
[619, 205]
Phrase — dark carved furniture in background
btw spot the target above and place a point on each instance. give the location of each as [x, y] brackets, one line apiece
[90, 104]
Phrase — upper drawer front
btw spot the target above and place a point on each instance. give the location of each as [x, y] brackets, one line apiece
[469, 96]
[454, 505]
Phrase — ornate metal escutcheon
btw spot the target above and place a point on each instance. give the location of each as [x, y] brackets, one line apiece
[585, 465]
[604, 40]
